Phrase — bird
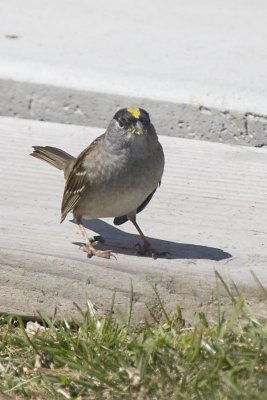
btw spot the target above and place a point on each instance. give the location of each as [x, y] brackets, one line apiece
[115, 176]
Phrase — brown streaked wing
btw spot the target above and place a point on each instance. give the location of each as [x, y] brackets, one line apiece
[76, 181]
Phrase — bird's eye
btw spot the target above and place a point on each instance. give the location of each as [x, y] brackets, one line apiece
[121, 123]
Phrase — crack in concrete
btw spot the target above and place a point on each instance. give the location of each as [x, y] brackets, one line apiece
[30, 104]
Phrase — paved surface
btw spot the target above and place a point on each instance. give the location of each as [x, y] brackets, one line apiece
[77, 61]
[86, 108]
[194, 52]
[209, 213]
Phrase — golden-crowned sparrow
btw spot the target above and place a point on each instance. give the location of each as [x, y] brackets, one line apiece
[115, 176]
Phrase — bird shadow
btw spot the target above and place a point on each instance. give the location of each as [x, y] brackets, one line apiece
[124, 243]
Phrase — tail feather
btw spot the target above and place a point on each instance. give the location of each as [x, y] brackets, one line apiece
[54, 156]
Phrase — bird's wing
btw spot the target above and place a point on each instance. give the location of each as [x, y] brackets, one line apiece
[121, 220]
[77, 181]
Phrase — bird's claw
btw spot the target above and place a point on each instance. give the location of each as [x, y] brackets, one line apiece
[91, 251]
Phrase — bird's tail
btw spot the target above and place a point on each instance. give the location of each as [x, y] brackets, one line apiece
[54, 156]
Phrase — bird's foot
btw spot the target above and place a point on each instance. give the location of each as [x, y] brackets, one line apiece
[147, 250]
[91, 251]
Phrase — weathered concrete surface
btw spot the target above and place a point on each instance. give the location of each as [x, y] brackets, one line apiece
[87, 108]
[205, 53]
[203, 63]
[209, 213]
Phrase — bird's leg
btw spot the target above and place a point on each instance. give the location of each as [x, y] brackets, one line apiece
[146, 249]
[89, 248]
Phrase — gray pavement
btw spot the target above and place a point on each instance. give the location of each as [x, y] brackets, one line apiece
[209, 213]
[198, 66]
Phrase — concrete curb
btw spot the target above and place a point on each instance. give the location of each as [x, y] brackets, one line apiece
[208, 214]
[86, 108]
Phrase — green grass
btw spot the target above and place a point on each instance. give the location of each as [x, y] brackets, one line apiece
[100, 358]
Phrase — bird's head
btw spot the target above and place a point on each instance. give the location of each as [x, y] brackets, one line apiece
[130, 125]
[134, 120]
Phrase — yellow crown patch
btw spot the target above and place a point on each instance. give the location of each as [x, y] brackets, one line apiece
[135, 112]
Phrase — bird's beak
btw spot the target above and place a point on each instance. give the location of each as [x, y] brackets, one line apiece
[139, 129]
